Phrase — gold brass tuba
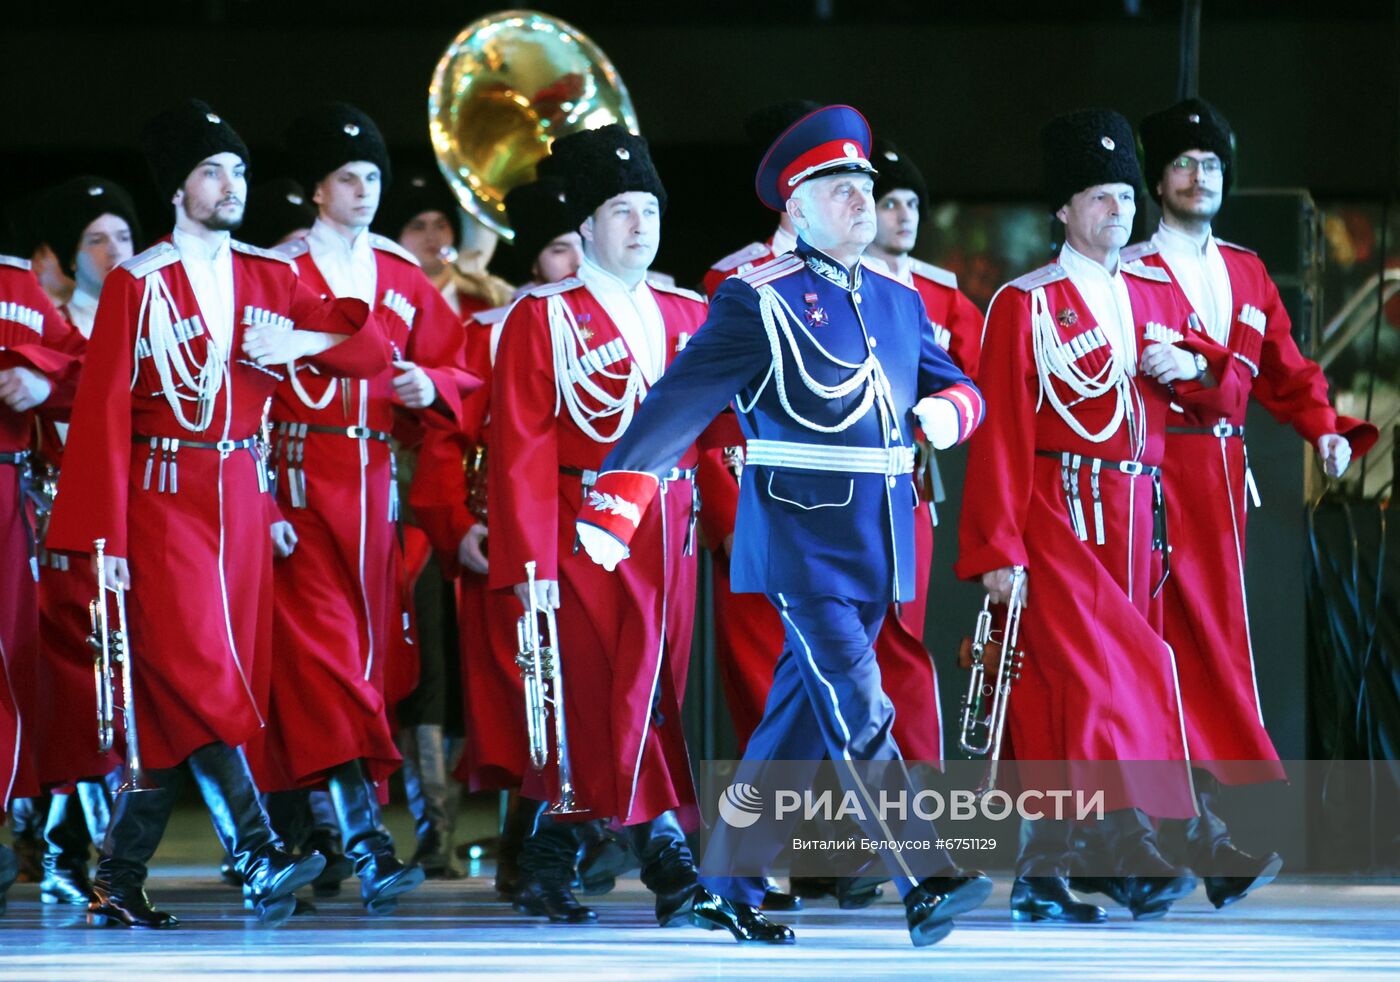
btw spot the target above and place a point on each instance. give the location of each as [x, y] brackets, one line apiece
[507, 87]
[537, 656]
[113, 648]
[995, 665]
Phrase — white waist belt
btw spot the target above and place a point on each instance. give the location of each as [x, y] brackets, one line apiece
[820, 457]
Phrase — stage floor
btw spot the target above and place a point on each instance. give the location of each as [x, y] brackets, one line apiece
[1297, 929]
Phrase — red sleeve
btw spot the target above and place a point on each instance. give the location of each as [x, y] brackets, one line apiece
[1231, 379]
[92, 489]
[1293, 388]
[436, 345]
[523, 466]
[56, 351]
[1001, 453]
[365, 351]
[965, 333]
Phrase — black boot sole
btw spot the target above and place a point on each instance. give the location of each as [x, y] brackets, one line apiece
[102, 919]
[862, 892]
[1264, 878]
[386, 901]
[930, 933]
[1158, 905]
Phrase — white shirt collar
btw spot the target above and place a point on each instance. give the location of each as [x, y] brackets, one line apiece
[194, 248]
[348, 266]
[1200, 271]
[209, 267]
[635, 312]
[1106, 296]
[1176, 240]
[82, 311]
[783, 242]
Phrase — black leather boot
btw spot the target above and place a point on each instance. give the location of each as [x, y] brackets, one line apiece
[604, 855]
[66, 856]
[138, 822]
[747, 924]
[668, 869]
[776, 899]
[1049, 898]
[520, 819]
[9, 872]
[1155, 883]
[383, 878]
[547, 869]
[271, 874]
[1230, 874]
[930, 907]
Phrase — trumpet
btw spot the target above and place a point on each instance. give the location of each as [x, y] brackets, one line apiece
[110, 651]
[995, 665]
[537, 655]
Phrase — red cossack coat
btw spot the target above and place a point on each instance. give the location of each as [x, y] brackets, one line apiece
[625, 636]
[1208, 484]
[192, 523]
[35, 336]
[1098, 683]
[339, 622]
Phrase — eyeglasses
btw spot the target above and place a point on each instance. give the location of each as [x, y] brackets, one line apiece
[1211, 165]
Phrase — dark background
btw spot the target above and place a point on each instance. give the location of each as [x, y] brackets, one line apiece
[963, 86]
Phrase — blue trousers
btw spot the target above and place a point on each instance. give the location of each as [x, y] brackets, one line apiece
[827, 702]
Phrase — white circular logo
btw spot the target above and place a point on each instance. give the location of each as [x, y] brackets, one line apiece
[95, 190]
[740, 805]
[850, 150]
[891, 155]
[296, 199]
[213, 119]
[623, 154]
[352, 130]
[1107, 142]
[1194, 117]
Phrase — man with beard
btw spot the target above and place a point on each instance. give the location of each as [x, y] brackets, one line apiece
[163, 467]
[1190, 158]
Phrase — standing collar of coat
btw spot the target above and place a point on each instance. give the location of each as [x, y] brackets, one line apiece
[828, 268]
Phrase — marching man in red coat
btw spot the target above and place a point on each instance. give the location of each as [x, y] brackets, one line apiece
[163, 463]
[91, 227]
[1080, 361]
[579, 355]
[1189, 153]
[449, 502]
[39, 359]
[338, 605]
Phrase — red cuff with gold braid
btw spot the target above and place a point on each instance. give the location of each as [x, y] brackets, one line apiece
[617, 501]
[1247, 336]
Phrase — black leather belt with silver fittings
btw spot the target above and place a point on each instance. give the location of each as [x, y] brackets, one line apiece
[1222, 430]
[1070, 466]
[168, 447]
[353, 432]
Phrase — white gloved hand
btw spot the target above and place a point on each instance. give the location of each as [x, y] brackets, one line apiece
[601, 547]
[939, 419]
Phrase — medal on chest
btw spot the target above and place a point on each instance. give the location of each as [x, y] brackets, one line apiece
[1067, 317]
[816, 316]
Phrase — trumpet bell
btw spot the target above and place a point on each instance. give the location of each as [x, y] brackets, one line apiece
[506, 88]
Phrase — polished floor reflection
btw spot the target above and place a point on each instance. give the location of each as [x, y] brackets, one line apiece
[1299, 929]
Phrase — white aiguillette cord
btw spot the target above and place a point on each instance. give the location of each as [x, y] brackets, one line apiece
[172, 356]
[1112, 377]
[571, 376]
